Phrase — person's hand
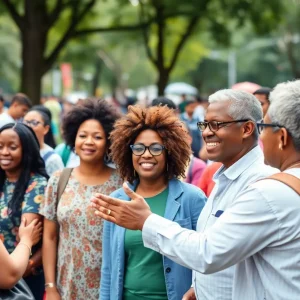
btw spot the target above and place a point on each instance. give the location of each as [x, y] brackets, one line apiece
[31, 233]
[52, 294]
[129, 214]
[189, 295]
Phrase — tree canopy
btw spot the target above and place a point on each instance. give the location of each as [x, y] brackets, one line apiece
[151, 41]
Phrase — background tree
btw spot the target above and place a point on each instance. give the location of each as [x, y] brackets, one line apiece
[35, 19]
[220, 17]
[290, 32]
[160, 35]
[10, 61]
[169, 53]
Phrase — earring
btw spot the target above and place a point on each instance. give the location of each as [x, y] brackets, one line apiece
[134, 173]
[280, 147]
[106, 157]
[167, 167]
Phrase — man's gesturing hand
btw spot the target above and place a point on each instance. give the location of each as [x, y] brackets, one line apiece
[129, 214]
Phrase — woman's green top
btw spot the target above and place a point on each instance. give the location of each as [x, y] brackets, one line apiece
[144, 272]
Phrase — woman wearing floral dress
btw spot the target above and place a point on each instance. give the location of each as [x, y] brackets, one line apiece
[72, 249]
[23, 181]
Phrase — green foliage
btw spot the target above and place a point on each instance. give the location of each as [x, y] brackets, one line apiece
[10, 48]
[209, 76]
[222, 25]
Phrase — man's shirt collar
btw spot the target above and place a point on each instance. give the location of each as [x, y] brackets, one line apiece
[234, 171]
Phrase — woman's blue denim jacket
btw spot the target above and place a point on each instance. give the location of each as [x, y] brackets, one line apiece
[184, 204]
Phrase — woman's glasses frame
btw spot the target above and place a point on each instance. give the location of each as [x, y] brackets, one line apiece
[32, 123]
[149, 148]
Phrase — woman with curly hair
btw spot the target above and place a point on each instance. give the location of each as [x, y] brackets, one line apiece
[72, 250]
[151, 150]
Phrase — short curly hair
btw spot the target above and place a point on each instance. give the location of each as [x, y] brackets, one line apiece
[89, 109]
[160, 119]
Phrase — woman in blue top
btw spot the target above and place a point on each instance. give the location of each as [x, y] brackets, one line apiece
[151, 150]
[23, 180]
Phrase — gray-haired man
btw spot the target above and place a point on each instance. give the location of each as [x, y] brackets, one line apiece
[231, 138]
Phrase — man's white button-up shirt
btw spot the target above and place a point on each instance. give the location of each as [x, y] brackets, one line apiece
[230, 183]
[259, 233]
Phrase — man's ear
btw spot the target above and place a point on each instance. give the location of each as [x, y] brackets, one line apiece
[248, 129]
[283, 136]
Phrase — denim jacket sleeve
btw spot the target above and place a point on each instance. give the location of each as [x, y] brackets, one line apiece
[106, 263]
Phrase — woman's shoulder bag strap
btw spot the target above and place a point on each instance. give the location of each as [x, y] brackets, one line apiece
[62, 182]
[290, 180]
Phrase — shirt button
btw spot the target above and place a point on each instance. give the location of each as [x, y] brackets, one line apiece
[168, 270]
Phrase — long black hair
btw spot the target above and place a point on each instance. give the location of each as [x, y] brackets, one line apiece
[31, 162]
[47, 118]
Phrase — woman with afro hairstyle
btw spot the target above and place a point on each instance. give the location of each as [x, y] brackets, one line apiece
[72, 250]
[151, 150]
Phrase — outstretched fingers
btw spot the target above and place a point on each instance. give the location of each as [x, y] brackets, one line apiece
[97, 203]
[105, 201]
[105, 216]
[105, 206]
[102, 210]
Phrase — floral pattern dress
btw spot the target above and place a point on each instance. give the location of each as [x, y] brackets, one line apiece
[80, 235]
[33, 198]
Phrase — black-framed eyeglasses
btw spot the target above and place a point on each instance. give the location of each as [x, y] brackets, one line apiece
[154, 149]
[261, 126]
[32, 123]
[215, 125]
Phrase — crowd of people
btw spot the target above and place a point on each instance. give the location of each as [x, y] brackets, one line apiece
[200, 201]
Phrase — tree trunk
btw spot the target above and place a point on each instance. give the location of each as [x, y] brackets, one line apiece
[33, 48]
[97, 75]
[163, 79]
[31, 74]
[163, 73]
[293, 60]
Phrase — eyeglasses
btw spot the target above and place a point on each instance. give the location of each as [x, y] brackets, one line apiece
[261, 126]
[154, 149]
[215, 125]
[32, 123]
